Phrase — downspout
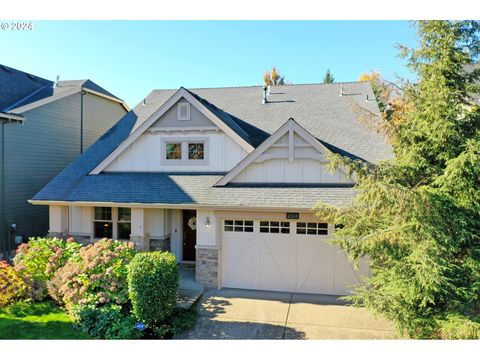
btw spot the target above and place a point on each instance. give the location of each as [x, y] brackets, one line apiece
[4, 206]
[81, 121]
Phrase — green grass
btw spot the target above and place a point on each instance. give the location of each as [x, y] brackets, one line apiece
[42, 320]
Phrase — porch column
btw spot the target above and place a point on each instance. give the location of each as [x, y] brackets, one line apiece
[207, 249]
[140, 229]
[58, 218]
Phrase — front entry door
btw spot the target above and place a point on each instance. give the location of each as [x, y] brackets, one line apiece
[189, 234]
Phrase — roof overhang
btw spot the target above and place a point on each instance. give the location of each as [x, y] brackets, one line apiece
[6, 117]
[181, 93]
[187, 206]
[93, 92]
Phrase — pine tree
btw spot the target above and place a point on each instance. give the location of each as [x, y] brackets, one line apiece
[417, 217]
[328, 78]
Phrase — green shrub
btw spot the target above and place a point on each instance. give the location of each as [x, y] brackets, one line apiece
[459, 327]
[12, 286]
[98, 275]
[106, 322]
[37, 261]
[152, 285]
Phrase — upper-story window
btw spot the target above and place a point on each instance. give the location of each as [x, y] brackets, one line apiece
[185, 151]
[183, 111]
[196, 151]
[173, 151]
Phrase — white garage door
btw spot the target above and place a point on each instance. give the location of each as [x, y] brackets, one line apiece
[284, 256]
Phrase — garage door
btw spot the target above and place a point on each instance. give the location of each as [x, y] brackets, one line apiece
[284, 256]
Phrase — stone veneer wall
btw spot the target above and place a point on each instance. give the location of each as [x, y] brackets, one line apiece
[206, 266]
[142, 243]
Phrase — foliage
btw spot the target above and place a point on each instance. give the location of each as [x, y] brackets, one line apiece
[328, 78]
[273, 78]
[152, 283]
[106, 322]
[417, 217]
[37, 261]
[36, 320]
[12, 286]
[98, 275]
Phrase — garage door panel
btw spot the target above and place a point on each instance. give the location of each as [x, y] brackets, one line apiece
[240, 261]
[315, 266]
[345, 275]
[276, 268]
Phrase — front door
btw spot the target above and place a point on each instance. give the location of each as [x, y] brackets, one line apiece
[189, 234]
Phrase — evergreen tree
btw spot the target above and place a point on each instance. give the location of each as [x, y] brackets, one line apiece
[328, 78]
[417, 217]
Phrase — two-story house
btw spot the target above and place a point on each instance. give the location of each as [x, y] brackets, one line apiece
[226, 179]
[44, 127]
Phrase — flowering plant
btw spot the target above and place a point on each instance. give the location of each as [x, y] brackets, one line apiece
[12, 286]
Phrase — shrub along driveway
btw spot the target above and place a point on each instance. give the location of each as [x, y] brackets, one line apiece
[249, 314]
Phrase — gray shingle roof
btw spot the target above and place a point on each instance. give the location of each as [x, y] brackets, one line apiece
[16, 85]
[318, 108]
[198, 189]
[337, 121]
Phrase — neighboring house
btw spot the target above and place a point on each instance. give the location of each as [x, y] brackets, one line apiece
[44, 127]
[225, 179]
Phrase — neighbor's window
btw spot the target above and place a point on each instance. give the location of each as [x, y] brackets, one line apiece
[196, 151]
[312, 228]
[102, 222]
[174, 151]
[124, 223]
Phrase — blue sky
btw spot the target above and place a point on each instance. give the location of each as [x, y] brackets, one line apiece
[130, 58]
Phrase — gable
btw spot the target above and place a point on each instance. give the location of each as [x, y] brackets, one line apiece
[142, 132]
[290, 155]
[171, 120]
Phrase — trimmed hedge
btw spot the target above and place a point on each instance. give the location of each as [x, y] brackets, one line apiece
[152, 285]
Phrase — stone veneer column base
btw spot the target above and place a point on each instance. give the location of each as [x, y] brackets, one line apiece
[142, 242]
[206, 266]
[53, 234]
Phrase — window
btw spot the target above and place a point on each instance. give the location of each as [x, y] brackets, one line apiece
[183, 111]
[185, 151]
[173, 151]
[195, 151]
[102, 222]
[238, 225]
[275, 227]
[312, 228]
[124, 224]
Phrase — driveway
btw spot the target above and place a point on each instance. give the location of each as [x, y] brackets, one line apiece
[250, 314]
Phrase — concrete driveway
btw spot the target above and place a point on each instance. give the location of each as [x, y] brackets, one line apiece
[250, 314]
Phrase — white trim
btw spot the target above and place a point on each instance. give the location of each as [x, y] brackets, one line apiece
[171, 206]
[181, 93]
[179, 111]
[183, 129]
[257, 155]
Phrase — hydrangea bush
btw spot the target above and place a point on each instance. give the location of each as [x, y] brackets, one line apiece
[37, 261]
[98, 275]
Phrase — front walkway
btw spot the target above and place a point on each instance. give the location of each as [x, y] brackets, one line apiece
[188, 289]
[249, 314]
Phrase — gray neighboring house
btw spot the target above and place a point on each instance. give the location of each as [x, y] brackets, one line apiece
[44, 126]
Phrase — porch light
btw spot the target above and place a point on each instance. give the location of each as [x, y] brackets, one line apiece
[207, 222]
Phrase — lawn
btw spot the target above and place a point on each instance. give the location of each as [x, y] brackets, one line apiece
[37, 321]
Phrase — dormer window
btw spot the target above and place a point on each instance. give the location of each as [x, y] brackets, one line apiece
[184, 111]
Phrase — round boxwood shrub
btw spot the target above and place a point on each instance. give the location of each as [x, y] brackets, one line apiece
[97, 276]
[152, 285]
[37, 261]
[12, 286]
[106, 322]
